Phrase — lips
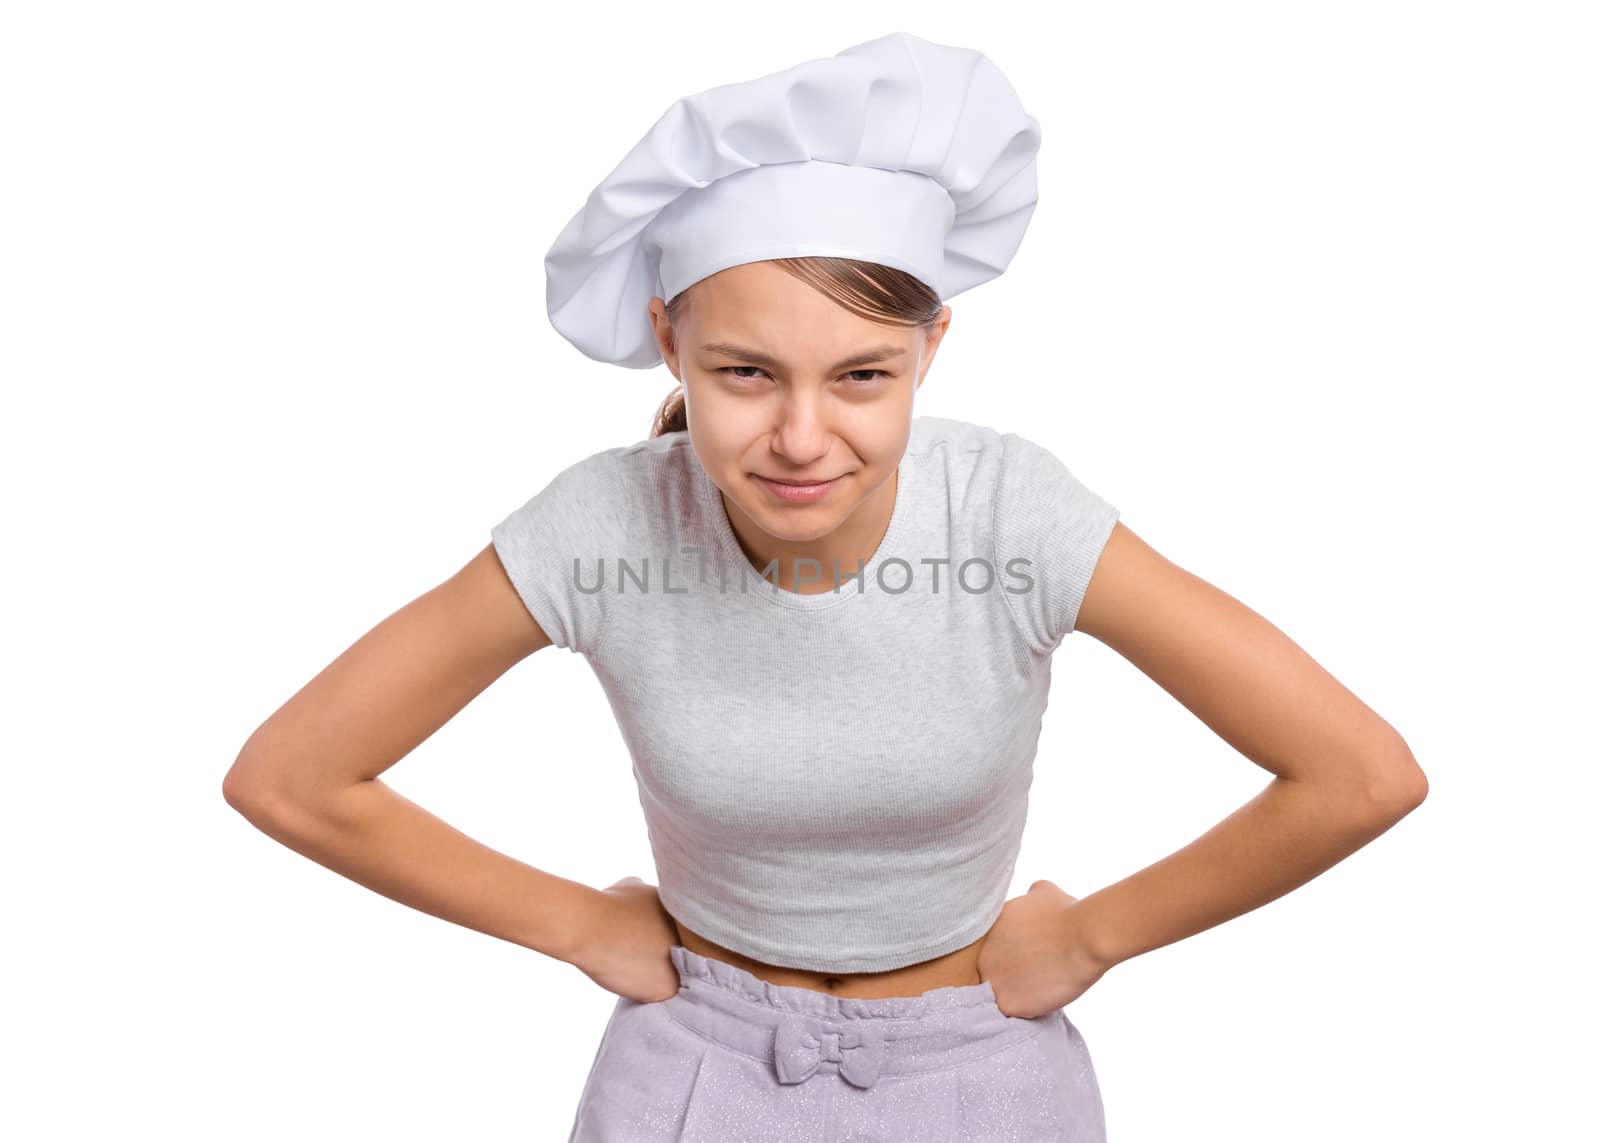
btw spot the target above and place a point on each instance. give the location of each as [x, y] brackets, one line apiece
[789, 492]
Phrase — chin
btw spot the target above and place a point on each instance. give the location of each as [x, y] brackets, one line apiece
[784, 524]
[799, 523]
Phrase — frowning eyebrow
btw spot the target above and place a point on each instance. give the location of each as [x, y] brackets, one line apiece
[756, 357]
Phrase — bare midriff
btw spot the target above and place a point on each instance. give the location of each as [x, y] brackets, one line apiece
[955, 968]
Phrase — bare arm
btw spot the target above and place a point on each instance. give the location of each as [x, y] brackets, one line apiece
[308, 777]
[1343, 775]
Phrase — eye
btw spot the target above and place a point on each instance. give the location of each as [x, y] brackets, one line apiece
[858, 376]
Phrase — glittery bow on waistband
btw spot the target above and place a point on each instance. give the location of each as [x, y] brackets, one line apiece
[858, 1051]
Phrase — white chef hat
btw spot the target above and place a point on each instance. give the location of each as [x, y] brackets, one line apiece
[900, 151]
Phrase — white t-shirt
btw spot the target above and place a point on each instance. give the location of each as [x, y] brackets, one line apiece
[832, 782]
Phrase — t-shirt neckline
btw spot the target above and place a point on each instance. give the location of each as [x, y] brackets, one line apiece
[756, 584]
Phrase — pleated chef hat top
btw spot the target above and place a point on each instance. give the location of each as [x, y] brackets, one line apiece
[900, 151]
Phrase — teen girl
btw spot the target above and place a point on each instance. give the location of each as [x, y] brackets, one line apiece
[825, 626]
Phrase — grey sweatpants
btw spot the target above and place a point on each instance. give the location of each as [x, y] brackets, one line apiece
[733, 1057]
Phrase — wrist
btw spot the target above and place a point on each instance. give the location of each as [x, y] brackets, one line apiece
[568, 930]
[1091, 937]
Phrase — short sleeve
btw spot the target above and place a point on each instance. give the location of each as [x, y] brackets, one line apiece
[557, 548]
[1049, 529]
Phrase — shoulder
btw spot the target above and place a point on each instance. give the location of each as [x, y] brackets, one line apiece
[623, 474]
[588, 512]
[962, 457]
[989, 465]
[658, 478]
[665, 456]
[586, 500]
[947, 436]
[1052, 525]
[1028, 466]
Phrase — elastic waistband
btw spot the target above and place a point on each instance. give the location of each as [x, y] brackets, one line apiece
[800, 1031]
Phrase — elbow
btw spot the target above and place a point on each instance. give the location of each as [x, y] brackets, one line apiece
[248, 790]
[268, 797]
[243, 795]
[1397, 784]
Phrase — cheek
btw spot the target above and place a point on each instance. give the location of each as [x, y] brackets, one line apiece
[720, 430]
[728, 422]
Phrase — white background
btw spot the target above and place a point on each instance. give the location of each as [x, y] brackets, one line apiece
[1310, 295]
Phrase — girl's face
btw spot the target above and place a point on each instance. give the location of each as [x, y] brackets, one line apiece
[783, 384]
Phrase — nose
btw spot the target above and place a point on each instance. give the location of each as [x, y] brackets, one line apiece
[802, 432]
